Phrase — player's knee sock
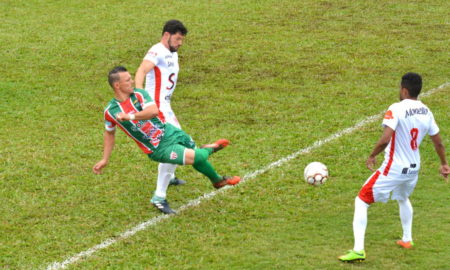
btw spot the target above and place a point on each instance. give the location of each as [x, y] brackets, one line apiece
[202, 165]
[165, 173]
[406, 216]
[359, 223]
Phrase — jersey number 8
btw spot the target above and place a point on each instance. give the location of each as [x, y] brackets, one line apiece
[414, 134]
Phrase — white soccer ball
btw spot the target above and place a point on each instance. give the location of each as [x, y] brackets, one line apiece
[316, 173]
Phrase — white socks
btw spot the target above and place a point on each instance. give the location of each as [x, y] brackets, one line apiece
[166, 171]
[359, 223]
[406, 216]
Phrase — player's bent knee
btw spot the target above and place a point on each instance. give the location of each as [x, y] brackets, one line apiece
[201, 155]
[189, 157]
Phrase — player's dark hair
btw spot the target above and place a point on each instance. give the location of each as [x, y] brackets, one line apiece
[173, 27]
[413, 82]
[114, 76]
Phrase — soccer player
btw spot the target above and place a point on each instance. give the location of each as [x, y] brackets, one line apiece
[405, 125]
[160, 69]
[133, 111]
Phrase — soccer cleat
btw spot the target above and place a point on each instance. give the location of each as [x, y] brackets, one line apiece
[218, 145]
[404, 244]
[353, 256]
[227, 180]
[176, 182]
[162, 205]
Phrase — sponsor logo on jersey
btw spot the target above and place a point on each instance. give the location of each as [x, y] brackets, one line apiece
[388, 115]
[409, 171]
[152, 53]
[173, 155]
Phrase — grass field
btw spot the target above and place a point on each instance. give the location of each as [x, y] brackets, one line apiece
[272, 76]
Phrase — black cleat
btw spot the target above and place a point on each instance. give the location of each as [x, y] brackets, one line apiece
[176, 182]
[163, 206]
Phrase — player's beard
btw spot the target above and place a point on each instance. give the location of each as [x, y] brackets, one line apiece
[171, 48]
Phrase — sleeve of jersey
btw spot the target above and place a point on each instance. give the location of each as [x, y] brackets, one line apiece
[391, 118]
[434, 129]
[110, 123]
[144, 98]
[152, 56]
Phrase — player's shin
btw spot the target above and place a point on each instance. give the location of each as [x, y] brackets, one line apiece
[165, 173]
[202, 165]
[359, 223]
[406, 217]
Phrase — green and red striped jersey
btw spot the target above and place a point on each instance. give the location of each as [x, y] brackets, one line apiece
[146, 133]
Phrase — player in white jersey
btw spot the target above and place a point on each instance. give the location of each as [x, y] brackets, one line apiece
[405, 125]
[159, 69]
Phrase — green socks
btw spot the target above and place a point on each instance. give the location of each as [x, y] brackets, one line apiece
[202, 165]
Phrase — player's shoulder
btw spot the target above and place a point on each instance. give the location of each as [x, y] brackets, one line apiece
[394, 107]
[110, 104]
[142, 94]
[139, 91]
[111, 107]
[415, 105]
[158, 48]
[421, 104]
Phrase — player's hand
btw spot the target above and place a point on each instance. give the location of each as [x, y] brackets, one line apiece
[97, 169]
[445, 171]
[370, 163]
[123, 116]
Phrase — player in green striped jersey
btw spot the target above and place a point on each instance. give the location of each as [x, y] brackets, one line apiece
[133, 111]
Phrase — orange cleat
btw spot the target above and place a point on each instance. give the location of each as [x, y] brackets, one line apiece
[218, 145]
[227, 180]
[403, 244]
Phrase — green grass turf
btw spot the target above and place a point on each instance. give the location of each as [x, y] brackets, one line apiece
[272, 76]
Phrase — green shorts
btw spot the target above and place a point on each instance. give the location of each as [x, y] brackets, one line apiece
[172, 147]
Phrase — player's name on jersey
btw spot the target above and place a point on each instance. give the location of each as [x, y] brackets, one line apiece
[413, 111]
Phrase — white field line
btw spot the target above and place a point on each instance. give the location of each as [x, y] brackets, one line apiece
[207, 196]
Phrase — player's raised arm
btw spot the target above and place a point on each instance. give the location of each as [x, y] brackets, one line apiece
[108, 145]
[146, 114]
[143, 69]
[440, 150]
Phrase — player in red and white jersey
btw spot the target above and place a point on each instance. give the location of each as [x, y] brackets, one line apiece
[161, 80]
[159, 69]
[405, 125]
[410, 120]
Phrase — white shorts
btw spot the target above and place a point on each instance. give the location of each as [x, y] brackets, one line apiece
[378, 187]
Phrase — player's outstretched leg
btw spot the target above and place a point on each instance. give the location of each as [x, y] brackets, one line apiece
[227, 180]
[202, 165]
[218, 145]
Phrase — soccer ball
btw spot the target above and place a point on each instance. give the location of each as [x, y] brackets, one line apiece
[316, 173]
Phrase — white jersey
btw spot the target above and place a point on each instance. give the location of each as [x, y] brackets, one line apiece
[161, 81]
[411, 120]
